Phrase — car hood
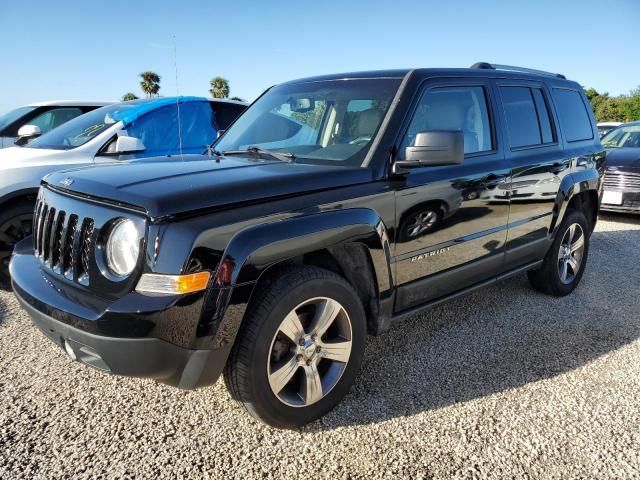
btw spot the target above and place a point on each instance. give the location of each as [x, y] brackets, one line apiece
[624, 159]
[169, 187]
[21, 157]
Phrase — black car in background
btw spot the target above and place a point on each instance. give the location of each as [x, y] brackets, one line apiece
[622, 177]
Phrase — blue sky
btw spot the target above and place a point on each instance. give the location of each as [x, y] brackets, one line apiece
[95, 50]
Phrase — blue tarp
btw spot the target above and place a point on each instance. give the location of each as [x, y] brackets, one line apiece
[163, 134]
[129, 115]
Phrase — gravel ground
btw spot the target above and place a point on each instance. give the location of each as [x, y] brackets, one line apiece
[505, 383]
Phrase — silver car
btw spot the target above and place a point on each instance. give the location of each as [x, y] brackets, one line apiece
[124, 131]
[23, 124]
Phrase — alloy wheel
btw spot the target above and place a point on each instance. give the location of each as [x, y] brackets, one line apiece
[571, 253]
[421, 222]
[309, 352]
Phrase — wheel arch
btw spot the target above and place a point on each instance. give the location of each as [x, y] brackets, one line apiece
[351, 242]
[17, 196]
[581, 191]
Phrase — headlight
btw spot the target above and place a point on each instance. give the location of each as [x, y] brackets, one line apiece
[553, 179]
[123, 248]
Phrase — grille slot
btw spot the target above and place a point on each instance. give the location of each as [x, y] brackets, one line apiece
[56, 240]
[36, 223]
[46, 241]
[41, 221]
[68, 246]
[85, 249]
[622, 181]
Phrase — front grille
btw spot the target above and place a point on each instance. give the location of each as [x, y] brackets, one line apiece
[522, 183]
[622, 181]
[61, 244]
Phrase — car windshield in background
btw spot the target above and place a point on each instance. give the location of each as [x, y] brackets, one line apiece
[13, 115]
[80, 130]
[622, 137]
[332, 121]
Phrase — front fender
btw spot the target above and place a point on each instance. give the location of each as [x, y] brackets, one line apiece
[252, 250]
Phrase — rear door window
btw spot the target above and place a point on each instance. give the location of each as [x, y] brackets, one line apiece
[522, 117]
[528, 117]
[573, 115]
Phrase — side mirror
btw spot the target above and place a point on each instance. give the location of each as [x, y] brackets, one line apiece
[26, 133]
[125, 144]
[437, 147]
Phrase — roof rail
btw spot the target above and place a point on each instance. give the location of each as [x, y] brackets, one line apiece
[511, 68]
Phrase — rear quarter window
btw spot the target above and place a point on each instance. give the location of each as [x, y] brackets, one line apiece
[572, 112]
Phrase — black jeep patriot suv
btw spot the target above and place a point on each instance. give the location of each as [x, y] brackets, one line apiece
[331, 208]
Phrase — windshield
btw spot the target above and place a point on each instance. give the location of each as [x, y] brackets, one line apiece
[622, 137]
[331, 121]
[13, 115]
[80, 130]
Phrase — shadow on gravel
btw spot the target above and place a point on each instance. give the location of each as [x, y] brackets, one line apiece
[498, 339]
[626, 218]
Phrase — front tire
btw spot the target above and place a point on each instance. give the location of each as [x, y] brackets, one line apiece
[565, 261]
[15, 224]
[299, 349]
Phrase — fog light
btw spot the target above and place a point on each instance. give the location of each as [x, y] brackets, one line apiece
[173, 284]
[69, 350]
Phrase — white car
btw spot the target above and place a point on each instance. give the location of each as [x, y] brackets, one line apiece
[537, 183]
[606, 127]
[133, 130]
[26, 123]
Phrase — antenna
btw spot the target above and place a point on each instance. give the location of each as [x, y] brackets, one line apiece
[175, 66]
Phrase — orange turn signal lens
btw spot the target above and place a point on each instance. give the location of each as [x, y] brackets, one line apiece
[173, 284]
[194, 282]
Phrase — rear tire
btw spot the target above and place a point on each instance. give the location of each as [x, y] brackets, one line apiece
[566, 260]
[299, 349]
[15, 224]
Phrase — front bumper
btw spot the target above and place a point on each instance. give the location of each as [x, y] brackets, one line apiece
[630, 203]
[136, 357]
[151, 337]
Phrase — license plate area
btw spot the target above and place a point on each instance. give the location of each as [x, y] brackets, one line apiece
[612, 198]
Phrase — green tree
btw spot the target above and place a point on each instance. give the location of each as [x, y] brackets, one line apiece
[219, 87]
[150, 83]
[623, 108]
[129, 96]
[591, 93]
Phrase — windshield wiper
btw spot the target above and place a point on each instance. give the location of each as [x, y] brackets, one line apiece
[212, 151]
[282, 156]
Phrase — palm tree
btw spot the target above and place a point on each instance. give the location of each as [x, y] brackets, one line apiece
[129, 96]
[219, 87]
[150, 83]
